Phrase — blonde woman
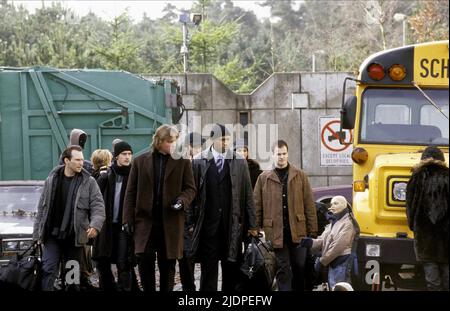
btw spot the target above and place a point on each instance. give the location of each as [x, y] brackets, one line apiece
[101, 160]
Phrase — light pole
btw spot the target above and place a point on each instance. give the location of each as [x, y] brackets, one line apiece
[314, 58]
[185, 20]
[400, 17]
[273, 20]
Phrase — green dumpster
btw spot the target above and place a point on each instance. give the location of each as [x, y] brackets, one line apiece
[40, 106]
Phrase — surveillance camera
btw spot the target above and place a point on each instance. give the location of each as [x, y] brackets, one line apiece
[196, 18]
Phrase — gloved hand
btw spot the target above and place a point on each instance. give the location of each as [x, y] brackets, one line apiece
[129, 229]
[306, 242]
[317, 265]
[312, 235]
[191, 230]
[177, 206]
[253, 232]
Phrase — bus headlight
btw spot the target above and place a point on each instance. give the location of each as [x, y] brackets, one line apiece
[373, 250]
[23, 245]
[9, 246]
[399, 191]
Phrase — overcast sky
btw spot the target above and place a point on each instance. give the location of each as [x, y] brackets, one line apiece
[153, 9]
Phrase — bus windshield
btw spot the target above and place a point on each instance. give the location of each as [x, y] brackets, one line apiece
[404, 116]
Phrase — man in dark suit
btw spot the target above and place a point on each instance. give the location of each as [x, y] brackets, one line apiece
[159, 190]
[223, 207]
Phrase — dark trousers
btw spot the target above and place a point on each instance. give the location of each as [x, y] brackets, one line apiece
[187, 266]
[126, 277]
[156, 248]
[291, 267]
[214, 249]
[436, 276]
[54, 252]
[86, 268]
[210, 273]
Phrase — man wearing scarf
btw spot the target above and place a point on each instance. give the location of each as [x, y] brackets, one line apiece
[334, 245]
[70, 212]
[113, 245]
[286, 212]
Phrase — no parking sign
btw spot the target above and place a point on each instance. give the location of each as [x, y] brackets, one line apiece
[332, 152]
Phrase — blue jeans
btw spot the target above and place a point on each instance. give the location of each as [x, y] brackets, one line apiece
[340, 273]
[54, 252]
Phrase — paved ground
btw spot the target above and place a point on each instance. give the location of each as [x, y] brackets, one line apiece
[196, 275]
[177, 287]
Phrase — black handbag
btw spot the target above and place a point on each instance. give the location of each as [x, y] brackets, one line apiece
[23, 271]
[259, 265]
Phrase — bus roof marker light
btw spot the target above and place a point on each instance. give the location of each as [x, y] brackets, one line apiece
[376, 71]
[397, 72]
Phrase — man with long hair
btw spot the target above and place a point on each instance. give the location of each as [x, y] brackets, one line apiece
[160, 188]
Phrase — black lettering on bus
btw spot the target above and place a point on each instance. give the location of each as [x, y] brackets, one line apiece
[423, 65]
[444, 68]
[434, 74]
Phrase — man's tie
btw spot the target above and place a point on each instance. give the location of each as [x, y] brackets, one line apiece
[219, 163]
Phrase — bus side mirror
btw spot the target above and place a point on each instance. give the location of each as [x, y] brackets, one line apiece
[348, 113]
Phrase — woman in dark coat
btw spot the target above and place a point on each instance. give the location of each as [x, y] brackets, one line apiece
[253, 166]
[427, 212]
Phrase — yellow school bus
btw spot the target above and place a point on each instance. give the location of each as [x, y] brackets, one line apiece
[401, 106]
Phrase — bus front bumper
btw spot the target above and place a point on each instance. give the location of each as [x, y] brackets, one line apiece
[386, 250]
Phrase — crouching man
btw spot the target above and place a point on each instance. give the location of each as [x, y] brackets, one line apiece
[70, 212]
[335, 243]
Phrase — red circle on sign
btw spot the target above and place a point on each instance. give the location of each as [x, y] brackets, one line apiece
[327, 127]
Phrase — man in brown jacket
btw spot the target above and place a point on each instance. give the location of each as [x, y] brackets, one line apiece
[160, 188]
[285, 211]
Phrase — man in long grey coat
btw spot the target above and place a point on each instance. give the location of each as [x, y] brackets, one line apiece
[70, 212]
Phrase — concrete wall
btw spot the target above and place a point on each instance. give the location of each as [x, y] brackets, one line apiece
[293, 101]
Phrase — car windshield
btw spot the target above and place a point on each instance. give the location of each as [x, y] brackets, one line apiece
[18, 200]
[404, 116]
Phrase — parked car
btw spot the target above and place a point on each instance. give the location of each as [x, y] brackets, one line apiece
[325, 194]
[18, 209]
